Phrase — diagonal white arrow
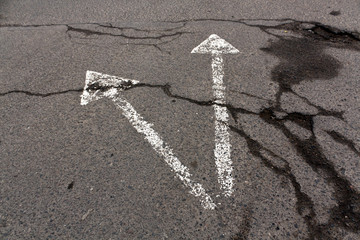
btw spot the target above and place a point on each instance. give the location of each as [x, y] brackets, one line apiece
[98, 85]
[217, 46]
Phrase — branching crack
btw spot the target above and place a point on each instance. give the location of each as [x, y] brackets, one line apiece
[88, 32]
[304, 204]
[315, 36]
[309, 29]
[143, 37]
[345, 214]
[138, 37]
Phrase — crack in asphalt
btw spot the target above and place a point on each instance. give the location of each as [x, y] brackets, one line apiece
[324, 31]
[305, 59]
[304, 204]
[34, 94]
[155, 45]
[88, 32]
[166, 88]
[300, 59]
[344, 214]
[309, 28]
[162, 37]
[111, 26]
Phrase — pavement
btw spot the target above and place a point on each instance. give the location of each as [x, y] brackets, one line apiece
[72, 171]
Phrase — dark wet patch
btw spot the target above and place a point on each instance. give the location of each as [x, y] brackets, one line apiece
[347, 214]
[304, 58]
[300, 59]
[335, 13]
[71, 185]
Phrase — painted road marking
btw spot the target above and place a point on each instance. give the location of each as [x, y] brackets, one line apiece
[217, 46]
[98, 85]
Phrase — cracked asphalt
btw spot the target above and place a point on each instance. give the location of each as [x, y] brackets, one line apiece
[83, 172]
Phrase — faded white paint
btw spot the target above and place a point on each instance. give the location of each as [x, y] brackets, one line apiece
[222, 152]
[142, 127]
[215, 45]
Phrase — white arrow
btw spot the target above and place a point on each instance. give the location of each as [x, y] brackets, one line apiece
[98, 85]
[217, 46]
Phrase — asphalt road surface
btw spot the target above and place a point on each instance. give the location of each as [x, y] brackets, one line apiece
[254, 135]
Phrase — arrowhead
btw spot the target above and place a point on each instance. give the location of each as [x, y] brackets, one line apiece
[215, 45]
[98, 85]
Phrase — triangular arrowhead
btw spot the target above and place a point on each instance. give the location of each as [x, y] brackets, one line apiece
[215, 45]
[98, 85]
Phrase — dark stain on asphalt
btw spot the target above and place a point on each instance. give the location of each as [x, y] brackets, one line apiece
[71, 185]
[194, 164]
[347, 213]
[300, 59]
[304, 58]
[335, 13]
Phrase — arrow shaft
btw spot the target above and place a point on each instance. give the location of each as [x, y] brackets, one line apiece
[163, 150]
[222, 151]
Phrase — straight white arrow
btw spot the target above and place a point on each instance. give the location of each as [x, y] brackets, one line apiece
[217, 46]
[98, 85]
